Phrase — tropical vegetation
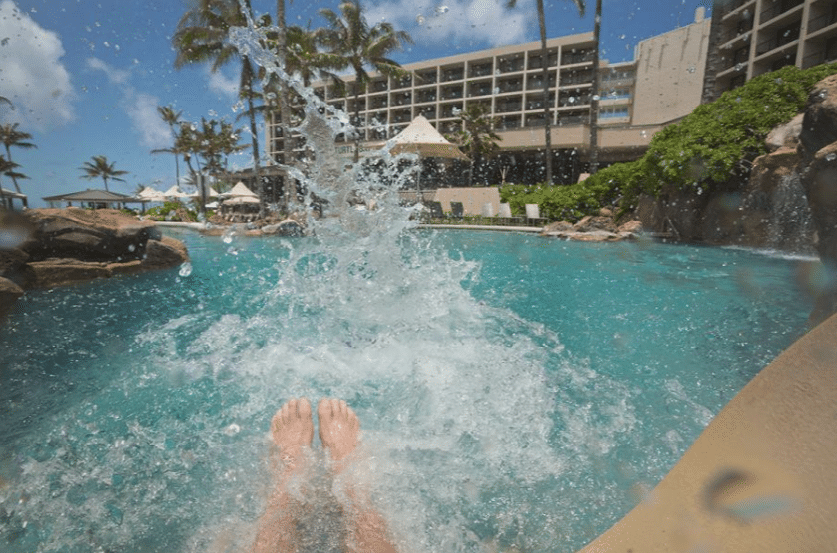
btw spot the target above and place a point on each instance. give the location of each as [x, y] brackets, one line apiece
[99, 167]
[714, 144]
[354, 45]
[476, 137]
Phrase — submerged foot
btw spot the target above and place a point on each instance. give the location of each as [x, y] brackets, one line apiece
[293, 429]
[339, 428]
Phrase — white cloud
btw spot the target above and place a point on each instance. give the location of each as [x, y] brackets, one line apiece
[115, 76]
[475, 22]
[31, 73]
[219, 83]
[140, 107]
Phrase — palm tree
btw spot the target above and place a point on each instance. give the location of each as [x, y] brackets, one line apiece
[547, 108]
[10, 136]
[100, 167]
[594, 92]
[172, 119]
[476, 138]
[201, 36]
[357, 45]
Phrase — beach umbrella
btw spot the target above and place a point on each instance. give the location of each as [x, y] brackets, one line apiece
[422, 139]
[419, 137]
[174, 192]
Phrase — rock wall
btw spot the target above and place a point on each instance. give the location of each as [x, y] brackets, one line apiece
[789, 201]
[44, 248]
[818, 149]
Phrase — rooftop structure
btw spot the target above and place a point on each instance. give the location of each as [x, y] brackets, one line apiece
[636, 99]
[752, 37]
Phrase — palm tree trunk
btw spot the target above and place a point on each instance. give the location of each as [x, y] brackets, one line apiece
[594, 93]
[357, 118]
[254, 133]
[14, 180]
[104, 178]
[284, 105]
[547, 111]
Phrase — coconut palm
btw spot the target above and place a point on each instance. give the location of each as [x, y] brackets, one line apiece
[356, 45]
[172, 119]
[547, 108]
[594, 93]
[11, 136]
[100, 168]
[201, 37]
[476, 138]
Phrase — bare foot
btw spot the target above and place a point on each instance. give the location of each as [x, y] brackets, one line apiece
[293, 429]
[339, 428]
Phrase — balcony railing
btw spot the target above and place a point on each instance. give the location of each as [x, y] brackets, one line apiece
[778, 8]
[822, 21]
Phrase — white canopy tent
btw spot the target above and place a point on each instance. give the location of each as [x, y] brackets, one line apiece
[422, 139]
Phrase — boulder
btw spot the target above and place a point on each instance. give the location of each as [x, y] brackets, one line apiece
[65, 246]
[9, 294]
[14, 266]
[633, 227]
[58, 271]
[818, 147]
[164, 253]
[557, 226]
[819, 125]
[786, 135]
[88, 235]
[591, 223]
[288, 227]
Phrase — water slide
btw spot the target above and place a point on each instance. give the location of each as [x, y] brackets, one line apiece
[760, 477]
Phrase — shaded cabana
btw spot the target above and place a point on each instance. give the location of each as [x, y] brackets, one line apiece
[95, 198]
[240, 204]
[422, 139]
[7, 199]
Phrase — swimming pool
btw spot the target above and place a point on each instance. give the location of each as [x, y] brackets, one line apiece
[515, 392]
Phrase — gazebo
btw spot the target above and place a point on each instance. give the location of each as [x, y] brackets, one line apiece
[7, 199]
[95, 198]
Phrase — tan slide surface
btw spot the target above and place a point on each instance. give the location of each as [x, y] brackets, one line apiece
[762, 477]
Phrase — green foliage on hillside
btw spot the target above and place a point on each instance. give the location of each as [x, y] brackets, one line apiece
[713, 143]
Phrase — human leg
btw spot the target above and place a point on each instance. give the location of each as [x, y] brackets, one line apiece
[339, 430]
[293, 430]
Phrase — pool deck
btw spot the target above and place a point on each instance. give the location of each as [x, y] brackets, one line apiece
[761, 476]
[482, 227]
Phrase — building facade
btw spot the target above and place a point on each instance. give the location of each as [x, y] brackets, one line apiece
[636, 99]
[753, 37]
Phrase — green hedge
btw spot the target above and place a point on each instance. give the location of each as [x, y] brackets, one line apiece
[713, 143]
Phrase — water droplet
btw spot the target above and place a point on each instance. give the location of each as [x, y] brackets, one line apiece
[185, 269]
[228, 237]
[831, 157]
[596, 98]
[131, 247]
[420, 20]
[232, 250]
[232, 430]
[442, 9]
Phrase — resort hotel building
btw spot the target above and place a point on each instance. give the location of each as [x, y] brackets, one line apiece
[670, 75]
[752, 37]
[636, 99]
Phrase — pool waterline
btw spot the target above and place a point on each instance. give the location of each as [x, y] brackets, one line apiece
[441, 357]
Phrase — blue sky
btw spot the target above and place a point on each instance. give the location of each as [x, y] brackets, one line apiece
[86, 76]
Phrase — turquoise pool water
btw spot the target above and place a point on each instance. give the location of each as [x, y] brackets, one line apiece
[515, 391]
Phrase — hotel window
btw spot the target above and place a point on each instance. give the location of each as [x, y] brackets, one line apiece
[613, 113]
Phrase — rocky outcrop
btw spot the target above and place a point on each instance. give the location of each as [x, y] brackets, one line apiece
[600, 228]
[818, 148]
[44, 248]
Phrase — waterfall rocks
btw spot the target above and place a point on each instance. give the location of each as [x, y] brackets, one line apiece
[818, 148]
[44, 248]
[600, 228]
